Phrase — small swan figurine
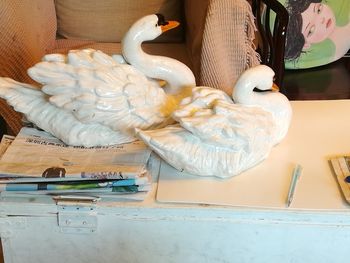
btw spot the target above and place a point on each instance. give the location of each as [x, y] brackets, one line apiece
[218, 136]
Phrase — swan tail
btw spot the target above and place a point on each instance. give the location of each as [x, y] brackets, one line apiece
[20, 96]
[35, 106]
[187, 152]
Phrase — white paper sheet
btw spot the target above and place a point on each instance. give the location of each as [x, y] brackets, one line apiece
[319, 130]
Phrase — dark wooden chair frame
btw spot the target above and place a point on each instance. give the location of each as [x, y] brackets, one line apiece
[272, 44]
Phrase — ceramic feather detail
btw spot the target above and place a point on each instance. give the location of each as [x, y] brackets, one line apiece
[216, 137]
[115, 95]
[54, 120]
[110, 93]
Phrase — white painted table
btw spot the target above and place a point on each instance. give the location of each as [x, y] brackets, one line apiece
[188, 219]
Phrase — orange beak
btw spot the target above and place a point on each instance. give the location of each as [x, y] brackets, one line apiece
[170, 25]
[275, 87]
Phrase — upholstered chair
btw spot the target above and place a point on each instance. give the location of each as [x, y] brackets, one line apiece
[214, 39]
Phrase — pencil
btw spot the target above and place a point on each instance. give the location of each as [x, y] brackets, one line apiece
[296, 174]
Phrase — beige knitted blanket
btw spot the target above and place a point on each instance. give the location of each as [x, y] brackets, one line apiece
[227, 47]
[219, 42]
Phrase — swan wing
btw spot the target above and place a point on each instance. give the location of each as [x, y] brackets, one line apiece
[86, 57]
[95, 88]
[34, 104]
[211, 115]
[232, 126]
[220, 141]
[187, 152]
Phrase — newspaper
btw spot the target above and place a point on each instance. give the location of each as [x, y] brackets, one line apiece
[6, 141]
[341, 168]
[38, 156]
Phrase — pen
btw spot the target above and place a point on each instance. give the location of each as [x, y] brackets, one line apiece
[295, 177]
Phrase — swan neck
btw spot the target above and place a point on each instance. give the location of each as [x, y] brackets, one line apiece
[176, 74]
[243, 93]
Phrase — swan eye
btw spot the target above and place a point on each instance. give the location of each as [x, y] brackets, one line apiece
[161, 20]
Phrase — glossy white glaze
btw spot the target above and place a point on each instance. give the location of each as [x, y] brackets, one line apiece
[177, 75]
[216, 137]
[276, 103]
[92, 95]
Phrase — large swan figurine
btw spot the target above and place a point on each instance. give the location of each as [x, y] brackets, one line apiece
[219, 137]
[89, 98]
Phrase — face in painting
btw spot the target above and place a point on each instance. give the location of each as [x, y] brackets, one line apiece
[318, 23]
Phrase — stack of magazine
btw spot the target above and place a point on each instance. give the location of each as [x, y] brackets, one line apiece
[34, 162]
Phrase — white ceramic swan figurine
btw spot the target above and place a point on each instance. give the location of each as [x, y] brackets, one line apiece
[216, 137]
[89, 98]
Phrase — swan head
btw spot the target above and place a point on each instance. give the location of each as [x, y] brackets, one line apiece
[176, 74]
[149, 27]
[261, 78]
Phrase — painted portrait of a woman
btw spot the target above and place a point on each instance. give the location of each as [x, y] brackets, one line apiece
[318, 32]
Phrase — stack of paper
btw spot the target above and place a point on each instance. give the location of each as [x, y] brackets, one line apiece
[37, 163]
